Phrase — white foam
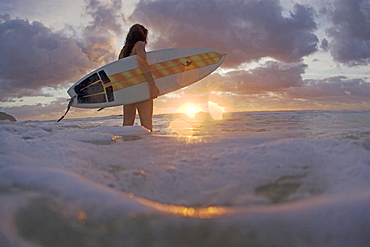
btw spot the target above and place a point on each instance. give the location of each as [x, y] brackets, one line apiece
[122, 130]
[67, 186]
[69, 162]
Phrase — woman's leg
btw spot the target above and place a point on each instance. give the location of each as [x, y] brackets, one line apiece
[145, 109]
[129, 112]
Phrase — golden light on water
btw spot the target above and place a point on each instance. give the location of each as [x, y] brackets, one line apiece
[192, 117]
[81, 216]
[202, 213]
[185, 125]
[181, 127]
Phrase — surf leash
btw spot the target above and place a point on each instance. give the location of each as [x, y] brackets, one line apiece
[68, 107]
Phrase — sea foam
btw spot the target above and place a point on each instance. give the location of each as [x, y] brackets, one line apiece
[260, 179]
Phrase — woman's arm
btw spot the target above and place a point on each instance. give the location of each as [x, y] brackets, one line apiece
[139, 49]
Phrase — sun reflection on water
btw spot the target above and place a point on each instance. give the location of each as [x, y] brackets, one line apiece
[81, 216]
[181, 127]
[191, 117]
[192, 212]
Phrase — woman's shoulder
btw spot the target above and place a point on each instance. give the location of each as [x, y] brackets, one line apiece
[140, 44]
[138, 47]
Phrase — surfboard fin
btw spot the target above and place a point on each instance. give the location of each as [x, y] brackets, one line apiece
[68, 107]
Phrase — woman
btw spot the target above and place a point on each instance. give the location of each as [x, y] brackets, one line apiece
[135, 45]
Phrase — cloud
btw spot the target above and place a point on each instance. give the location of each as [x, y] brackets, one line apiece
[271, 77]
[54, 110]
[99, 37]
[350, 31]
[277, 86]
[245, 30]
[334, 93]
[285, 80]
[339, 88]
[34, 56]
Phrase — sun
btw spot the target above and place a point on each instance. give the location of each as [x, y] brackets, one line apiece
[190, 109]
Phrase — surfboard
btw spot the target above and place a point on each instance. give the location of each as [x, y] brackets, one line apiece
[123, 82]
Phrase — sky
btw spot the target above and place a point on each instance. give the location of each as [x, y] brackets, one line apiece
[281, 55]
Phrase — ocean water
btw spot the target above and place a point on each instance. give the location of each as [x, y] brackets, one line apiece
[299, 178]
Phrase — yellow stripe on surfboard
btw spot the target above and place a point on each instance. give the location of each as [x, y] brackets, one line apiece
[162, 69]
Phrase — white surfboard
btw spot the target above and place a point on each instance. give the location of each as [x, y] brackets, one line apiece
[122, 82]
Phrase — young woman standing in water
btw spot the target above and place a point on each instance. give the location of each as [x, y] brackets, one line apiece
[135, 45]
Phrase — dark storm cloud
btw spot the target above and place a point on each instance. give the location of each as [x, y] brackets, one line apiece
[350, 31]
[245, 30]
[34, 56]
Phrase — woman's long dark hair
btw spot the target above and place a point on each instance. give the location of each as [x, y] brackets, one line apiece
[136, 33]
